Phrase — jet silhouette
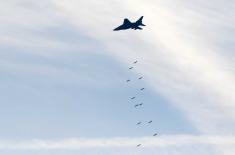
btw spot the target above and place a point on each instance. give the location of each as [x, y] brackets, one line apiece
[155, 134]
[129, 25]
[128, 80]
[140, 104]
[131, 67]
[140, 77]
[150, 122]
[142, 88]
[135, 62]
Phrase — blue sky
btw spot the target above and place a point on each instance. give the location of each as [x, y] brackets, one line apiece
[63, 73]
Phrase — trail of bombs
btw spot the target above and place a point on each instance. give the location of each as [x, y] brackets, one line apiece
[141, 104]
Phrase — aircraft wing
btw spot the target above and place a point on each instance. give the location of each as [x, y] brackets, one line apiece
[121, 27]
[126, 24]
[135, 28]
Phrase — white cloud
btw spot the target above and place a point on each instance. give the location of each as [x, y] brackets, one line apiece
[180, 50]
[81, 143]
[177, 53]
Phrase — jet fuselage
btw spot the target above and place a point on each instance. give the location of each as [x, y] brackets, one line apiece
[129, 25]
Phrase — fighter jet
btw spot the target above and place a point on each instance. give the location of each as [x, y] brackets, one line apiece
[135, 62]
[128, 80]
[133, 98]
[131, 67]
[150, 122]
[142, 88]
[155, 134]
[138, 123]
[129, 25]
[140, 77]
[138, 145]
[140, 104]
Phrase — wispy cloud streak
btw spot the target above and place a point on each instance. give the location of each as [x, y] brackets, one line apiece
[180, 57]
[81, 143]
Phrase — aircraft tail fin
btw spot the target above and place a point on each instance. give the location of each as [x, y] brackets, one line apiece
[139, 21]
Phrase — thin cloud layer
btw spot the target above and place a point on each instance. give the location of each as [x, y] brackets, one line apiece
[188, 71]
[77, 144]
[186, 52]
